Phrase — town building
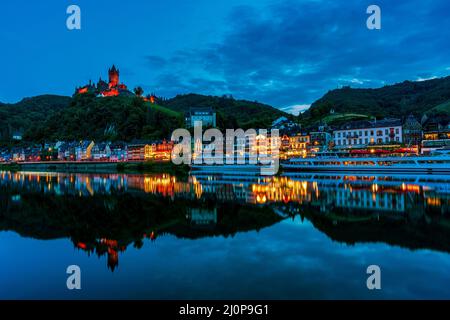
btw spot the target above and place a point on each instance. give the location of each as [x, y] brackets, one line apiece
[118, 151]
[101, 151]
[206, 115]
[412, 131]
[360, 134]
[285, 126]
[162, 150]
[5, 155]
[319, 141]
[436, 134]
[294, 146]
[138, 152]
[32, 153]
[18, 154]
[84, 150]
[66, 151]
[299, 144]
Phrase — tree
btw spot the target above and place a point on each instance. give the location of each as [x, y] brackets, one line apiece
[138, 91]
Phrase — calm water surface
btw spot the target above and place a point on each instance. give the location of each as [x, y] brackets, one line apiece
[162, 237]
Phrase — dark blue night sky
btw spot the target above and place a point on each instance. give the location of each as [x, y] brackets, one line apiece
[285, 53]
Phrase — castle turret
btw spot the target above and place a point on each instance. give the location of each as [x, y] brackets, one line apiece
[113, 77]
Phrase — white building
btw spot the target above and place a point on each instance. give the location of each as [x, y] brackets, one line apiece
[363, 133]
[206, 115]
[17, 136]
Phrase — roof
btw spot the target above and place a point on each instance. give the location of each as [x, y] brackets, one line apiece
[85, 143]
[201, 110]
[279, 120]
[365, 124]
[101, 146]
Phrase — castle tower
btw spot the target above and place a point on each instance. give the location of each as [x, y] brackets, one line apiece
[113, 77]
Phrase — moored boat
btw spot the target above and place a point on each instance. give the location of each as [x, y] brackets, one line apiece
[412, 164]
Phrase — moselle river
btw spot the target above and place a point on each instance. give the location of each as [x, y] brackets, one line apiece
[303, 236]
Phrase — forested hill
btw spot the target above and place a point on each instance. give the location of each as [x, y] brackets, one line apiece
[231, 113]
[28, 112]
[398, 100]
[45, 118]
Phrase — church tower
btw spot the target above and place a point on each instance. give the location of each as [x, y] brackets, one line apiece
[113, 77]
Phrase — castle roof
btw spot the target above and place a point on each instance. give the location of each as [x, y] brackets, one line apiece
[113, 69]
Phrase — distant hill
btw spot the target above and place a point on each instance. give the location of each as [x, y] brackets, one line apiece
[231, 113]
[45, 118]
[23, 115]
[398, 100]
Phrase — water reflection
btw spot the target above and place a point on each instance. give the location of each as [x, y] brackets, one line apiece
[103, 214]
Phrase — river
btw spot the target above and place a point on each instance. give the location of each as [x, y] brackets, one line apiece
[147, 236]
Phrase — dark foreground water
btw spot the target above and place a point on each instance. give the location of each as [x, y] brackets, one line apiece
[161, 237]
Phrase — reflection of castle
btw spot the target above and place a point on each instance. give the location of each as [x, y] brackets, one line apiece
[106, 89]
[104, 246]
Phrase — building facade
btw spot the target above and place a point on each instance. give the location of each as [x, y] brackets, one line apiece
[84, 150]
[436, 135]
[101, 151]
[136, 152]
[412, 131]
[319, 141]
[360, 134]
[206, 115]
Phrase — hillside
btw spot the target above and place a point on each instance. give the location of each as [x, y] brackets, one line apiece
[389, 101]
[111, 118]
[231, 113]
[25, 114]
[45, 118]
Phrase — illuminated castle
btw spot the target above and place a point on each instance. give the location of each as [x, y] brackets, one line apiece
[106, 89]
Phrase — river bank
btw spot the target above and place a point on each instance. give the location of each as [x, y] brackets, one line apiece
[92, 167]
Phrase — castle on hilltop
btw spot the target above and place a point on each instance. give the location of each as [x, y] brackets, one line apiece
[106, 89]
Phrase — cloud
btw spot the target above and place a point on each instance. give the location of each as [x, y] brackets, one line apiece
[155, 61]
[296, 109]
[293, 52]
[420, 79]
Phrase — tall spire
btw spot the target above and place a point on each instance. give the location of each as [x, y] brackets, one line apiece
[113, 69]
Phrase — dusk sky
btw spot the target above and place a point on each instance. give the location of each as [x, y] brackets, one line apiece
[284, 53]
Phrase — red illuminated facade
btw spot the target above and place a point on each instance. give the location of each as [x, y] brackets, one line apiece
[106, 89]
[113, 74]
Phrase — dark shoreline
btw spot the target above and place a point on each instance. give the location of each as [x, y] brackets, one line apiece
[104, 167]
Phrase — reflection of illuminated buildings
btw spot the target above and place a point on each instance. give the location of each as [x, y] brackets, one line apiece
[164, 185]
[61, 183]
[223, 188]
[370, 199]
[283, 189]
[202, 217]
[347, 191]
[91, 184]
